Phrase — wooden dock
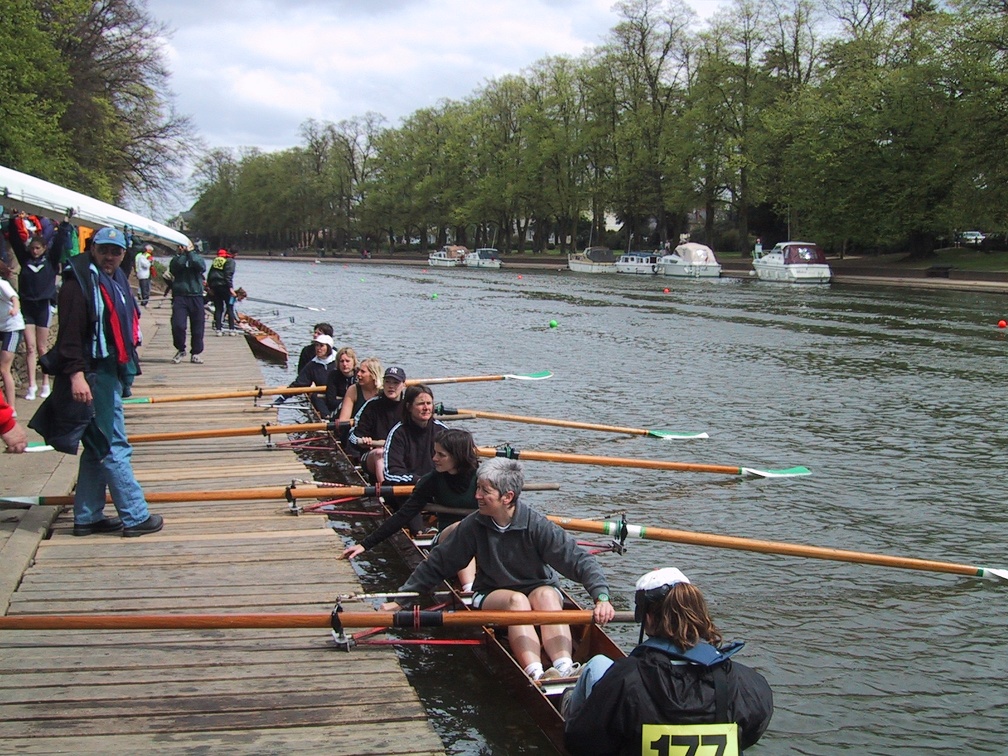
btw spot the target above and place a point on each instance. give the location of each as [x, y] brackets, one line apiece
[248, 691]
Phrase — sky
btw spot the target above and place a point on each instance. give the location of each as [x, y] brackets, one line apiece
[250, 72]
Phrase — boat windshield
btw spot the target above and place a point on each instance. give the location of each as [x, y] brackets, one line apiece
[803, 254]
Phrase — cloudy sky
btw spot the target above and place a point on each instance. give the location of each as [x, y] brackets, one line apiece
[249, 72]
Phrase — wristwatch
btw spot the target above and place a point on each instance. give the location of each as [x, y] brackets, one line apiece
[602, 597]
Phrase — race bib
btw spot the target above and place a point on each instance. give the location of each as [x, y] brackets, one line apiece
[690, 740]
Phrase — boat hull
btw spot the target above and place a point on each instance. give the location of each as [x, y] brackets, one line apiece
[780, 273]
[443, 262]
[263, 340]
[583, 266]
[687, 270]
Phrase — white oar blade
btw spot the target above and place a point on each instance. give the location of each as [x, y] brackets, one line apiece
[38, 447]
[676, 435]
[20, 500]
[541, 375]
[790, 472]
[995, 574]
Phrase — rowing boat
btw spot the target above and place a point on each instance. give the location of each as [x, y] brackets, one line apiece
[541, 699]
[262, 340]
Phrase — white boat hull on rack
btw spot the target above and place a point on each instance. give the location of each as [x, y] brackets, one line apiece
[20, 191]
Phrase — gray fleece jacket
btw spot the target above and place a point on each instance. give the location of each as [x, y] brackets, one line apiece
[528, 554]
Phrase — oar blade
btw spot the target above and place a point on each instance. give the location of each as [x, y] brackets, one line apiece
[994, 574]
[790, 472]
[36, 446]
[540, 376]
[137, 400]
[676, 435]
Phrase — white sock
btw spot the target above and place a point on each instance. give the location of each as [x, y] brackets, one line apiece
[534, 670]
[467, 588]
[563, 665]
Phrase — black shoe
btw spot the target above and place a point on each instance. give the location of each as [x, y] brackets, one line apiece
[104, 525]
[152, 524]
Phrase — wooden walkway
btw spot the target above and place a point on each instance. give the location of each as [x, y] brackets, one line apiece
[251, 691]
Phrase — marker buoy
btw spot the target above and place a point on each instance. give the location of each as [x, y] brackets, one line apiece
[665, 291]
[1002, 324]
[433, 296]
[519, 278]
[553, 324]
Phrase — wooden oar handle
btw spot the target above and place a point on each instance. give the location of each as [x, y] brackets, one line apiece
[262, 430]
[402, 619]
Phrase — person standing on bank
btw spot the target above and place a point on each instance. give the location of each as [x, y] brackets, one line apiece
[37, 292]
[187, 268]
[144, 259]
[95, 348]
[220, 281]
[681, 675]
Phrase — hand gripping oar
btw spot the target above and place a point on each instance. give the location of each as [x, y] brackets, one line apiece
[440, 409]
[620, 529]
[647, 464]
[284, 304]
[258, 392]
[401, 619]
[290, 493]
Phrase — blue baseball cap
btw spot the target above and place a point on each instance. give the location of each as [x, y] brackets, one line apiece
[109, 235]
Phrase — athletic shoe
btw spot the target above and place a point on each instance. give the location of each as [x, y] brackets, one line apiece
[197, 358]
[152, 524]
[555, 674]
[218, 332]
[46, 390]
[104, 525]
[179, 356]
[30, 394]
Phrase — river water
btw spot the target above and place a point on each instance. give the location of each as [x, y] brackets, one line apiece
[893, 398]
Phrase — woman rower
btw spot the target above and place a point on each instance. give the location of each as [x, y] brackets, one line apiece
[409, 447]
[367, 386]
[375, 420]
[340, 379]
[450, 485]
[37, 292]
[315, 373]
[518, 554]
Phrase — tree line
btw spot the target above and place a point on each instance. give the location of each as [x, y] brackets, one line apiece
[861, 124]
[84, 99]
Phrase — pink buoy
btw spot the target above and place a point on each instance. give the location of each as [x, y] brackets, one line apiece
[665, 290]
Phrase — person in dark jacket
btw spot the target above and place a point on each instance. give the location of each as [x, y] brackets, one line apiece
[308, 352]
[37, 292]
[341, 379]
[94, 351]
[519, 554]
[409, 446]
[681, 675]
[375, 420]
[187, 268]
[220, 281]
[315, 373]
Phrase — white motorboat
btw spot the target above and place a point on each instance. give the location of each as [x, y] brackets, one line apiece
[484, 257]
[638, 263]
[593, 260]
[690, 260]
[792, 262]
[447, 257]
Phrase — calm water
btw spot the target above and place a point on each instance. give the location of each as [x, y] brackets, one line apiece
[894, 399]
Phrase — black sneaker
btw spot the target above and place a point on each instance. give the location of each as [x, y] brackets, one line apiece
[104, 525]
[152, 524]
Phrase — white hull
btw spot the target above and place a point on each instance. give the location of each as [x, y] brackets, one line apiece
[443, 262]
[482, 258]
[781, 273]
[33, 195]
[494, 264]
[583, 266]
[688, 270]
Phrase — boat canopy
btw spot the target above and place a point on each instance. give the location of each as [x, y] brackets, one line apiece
[19, 191]
[600, 254]
[696, 254]
[803, 253]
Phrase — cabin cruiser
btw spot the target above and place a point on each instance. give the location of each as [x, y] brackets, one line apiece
[484, 257]
[638, 263]
[593, 260]
[792, 262]
[690, 260]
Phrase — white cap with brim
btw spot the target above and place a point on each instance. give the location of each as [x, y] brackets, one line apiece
[657, 578]
[324, 339]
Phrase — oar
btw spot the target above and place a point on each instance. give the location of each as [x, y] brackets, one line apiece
[647, 464]
[262, 430]
[440, 409]
[401, 619]
[621, 530]
[289, 493]
[285, 304]
[540, 376]
[258, 392]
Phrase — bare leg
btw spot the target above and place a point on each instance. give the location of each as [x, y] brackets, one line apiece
[556, 639]
[31, 354]
[522, 638]
[42, 341]
[376, 465]
[6, 360]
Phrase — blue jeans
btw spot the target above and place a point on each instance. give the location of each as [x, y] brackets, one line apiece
[592, 672]
[113, 471]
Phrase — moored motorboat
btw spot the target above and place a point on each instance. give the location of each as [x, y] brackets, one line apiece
[447, 257]
[484, 257]
[592, 260]
[792, 262]
[638, 263]
[262, 340]
[690, 260]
